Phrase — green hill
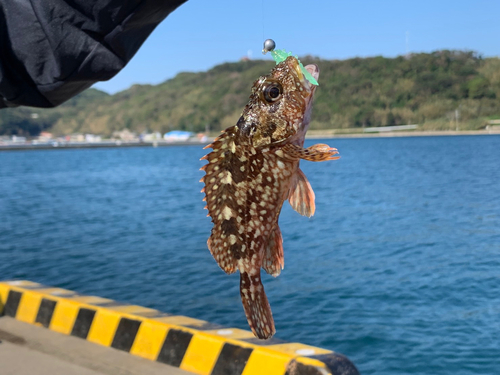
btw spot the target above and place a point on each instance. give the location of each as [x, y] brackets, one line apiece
[423, 88]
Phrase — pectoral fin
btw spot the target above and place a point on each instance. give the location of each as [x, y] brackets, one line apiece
[301, 196]
[319, 152]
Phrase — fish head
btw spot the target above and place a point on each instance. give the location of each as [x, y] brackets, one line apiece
[279, 109]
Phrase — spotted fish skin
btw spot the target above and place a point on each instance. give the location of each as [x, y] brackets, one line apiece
[252, 170]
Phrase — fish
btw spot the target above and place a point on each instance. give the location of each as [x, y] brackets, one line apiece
[252, 169]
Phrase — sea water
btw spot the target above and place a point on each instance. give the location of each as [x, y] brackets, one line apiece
[399, 269]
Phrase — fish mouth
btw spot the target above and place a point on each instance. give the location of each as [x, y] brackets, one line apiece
[309, 87]
[313, 70]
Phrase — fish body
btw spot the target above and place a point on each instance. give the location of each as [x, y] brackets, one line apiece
[252, 170]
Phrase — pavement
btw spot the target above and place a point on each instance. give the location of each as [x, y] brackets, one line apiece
[26, 349]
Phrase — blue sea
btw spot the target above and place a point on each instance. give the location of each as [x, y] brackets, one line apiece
[399, 269]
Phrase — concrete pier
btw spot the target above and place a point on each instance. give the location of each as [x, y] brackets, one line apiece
[47, 330]
[29, 350]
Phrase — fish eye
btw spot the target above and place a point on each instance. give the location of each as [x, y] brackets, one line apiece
[272, 92]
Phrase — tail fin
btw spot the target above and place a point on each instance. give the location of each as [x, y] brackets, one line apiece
[256, 306]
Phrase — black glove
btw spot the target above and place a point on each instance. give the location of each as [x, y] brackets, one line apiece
[51, 51]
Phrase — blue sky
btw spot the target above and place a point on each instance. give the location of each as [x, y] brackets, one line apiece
[201, 34]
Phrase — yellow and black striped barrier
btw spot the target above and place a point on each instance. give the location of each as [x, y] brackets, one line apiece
[190, 344]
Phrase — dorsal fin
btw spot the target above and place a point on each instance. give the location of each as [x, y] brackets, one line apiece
[223, 174]
[274, 260]
[301, 196]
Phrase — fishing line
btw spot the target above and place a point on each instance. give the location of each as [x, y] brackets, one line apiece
[262, 17]
[269, 44]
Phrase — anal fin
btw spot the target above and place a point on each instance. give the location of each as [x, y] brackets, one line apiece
[225, 259]
[301, 196]
[274, 260]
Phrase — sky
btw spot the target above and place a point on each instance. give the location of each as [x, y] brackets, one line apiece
[201, 34]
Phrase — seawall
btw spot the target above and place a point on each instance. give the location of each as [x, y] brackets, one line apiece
[190, 344]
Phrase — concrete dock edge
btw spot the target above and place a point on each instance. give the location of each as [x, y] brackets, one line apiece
[193, 345]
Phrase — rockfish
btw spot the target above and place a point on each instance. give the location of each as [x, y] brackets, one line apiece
[252, 170]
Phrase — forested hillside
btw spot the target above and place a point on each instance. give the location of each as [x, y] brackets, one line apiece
[423, 89]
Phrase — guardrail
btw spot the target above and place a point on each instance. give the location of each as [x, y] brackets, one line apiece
[190, 344]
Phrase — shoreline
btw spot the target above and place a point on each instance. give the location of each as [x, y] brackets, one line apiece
[81, 145]
[392, 134]
[314, 135]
